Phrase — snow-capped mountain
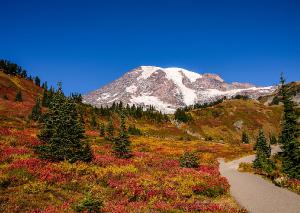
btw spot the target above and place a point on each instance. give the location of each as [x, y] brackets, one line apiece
[169, 88]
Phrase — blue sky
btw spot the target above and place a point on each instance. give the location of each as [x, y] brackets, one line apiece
[87, 44]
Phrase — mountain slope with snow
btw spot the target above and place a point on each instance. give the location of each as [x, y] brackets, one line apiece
[169, 88]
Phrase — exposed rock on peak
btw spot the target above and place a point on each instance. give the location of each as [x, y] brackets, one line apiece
[169, 88]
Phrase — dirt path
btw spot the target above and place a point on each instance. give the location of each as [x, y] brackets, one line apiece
[256, 194]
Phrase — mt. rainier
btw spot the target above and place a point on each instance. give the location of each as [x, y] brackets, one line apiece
[169, 88]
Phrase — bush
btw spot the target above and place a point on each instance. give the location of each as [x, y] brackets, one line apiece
[245, 138]
[181, 115]
[214, 191]
[189, 160]
[19, 97]
[245, 167]
[89, 204]
[132, 130]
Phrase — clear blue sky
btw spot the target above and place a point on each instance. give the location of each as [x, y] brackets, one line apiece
[87, 44]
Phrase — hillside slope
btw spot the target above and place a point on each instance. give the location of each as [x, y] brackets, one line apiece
[226, 121]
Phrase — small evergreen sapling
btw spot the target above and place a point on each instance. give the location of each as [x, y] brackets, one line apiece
[263, 153]
[19, 97]
[121, 143]
[110, 129]
[245, 138]
[101, 129]
[36, 112]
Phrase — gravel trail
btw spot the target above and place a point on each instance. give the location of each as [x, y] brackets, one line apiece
[256, 194]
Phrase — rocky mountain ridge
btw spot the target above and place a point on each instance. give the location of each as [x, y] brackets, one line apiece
[170, 88]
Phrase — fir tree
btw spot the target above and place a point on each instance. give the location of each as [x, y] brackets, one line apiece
[110, 129]
[263, 153]
[93, 121]
[19, 97]
[121, 143]
[245, 138]
[63, 133]
[290, 145]
[36, 112]
[37, 81]
[45, 85]
[46, 99]
[101, 129]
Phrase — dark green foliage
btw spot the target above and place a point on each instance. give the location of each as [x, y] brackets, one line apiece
[134, 111]
[5, 97]
[101, 129]
[242, 97]
[133, 130]
[204, 105]
[189, 160]
[76, 97]
[110, 129]
[245, 138]
[121, 143]
[37, 81]
[12, 69]
[36, 111]
[47, 96]
[89, 205]
[45, 85]
[273, 139]
[19, 97]
[93, 121]
[275, 101]
[263, 154]
[181, 115]
[63, 133]
[290, 145]
[214, 191]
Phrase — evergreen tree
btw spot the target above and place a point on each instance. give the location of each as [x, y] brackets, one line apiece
[46, 99]
[37, 81]
[19, 97]
[63, 133]
[263, 153]
[121, 143]
[36, 112]
[182, 116]
[93, 121]
[290, 145]
[245, 138]
[110, 129]
[101, 129]
[45, 85]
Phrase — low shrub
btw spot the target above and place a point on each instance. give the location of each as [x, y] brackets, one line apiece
[90, 205]
[245, 167]
[189, 160]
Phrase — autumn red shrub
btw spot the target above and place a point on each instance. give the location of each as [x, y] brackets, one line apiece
[65, 207]
[4, 131]
[32, 165]
[52, 174]
[211, 170]
[106, 160]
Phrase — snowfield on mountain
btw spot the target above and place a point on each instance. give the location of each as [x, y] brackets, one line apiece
[170, 88]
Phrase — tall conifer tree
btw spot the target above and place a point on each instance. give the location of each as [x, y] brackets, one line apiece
[63, 133]
[290, 145]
